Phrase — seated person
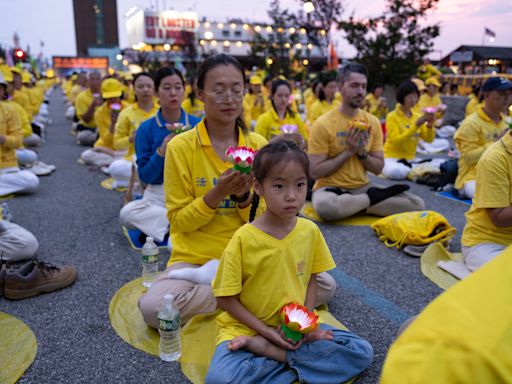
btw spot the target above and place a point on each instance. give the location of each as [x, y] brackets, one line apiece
[479, 130]
[341, 155]
[255, 101]
[192, 105]
[85, 105]
[405, 127]
[488, 229]
[326, 99]
[463, 336]
[149, 214]
[475, 101]
[375, 103]
[280, 118]
[279, 264]
[105, 117]
[127, 123]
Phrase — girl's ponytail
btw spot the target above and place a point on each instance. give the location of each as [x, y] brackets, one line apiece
[254, 207]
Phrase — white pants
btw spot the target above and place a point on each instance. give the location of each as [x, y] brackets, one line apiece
[32, 141]
[148, 214]
[121, 171]
[438, 145]
[86, 137]
[398, 171]
[99, 159]
[14, 180]
[16, 243]
[25, 157]
[480, 254]
[468, 189]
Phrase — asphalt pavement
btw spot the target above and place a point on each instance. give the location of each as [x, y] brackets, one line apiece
[76, 222]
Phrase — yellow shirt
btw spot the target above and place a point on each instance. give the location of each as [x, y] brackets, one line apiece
[403, 134]
[192, 167]
[22, 99]
[473, 105]
[374, 103]
[426, 101]
[318, 108]
[103, 119]
[426, 71]
[128, 94]
[493, 190]
[255, 111]
[475, 134]
[463, 336]
[128, 121]
[82, 103]
[10, 127]
[269, 124]
[26, 127]
[74, 92]
[196, 110]
[328, 137]
[268, 273]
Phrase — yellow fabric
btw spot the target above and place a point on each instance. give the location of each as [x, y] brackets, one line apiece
[255, 111]
[33, 98]
[435, 253]
[426, 101]
[427, 70]
[26, 127]
[82, 103]
[196, 110]
[476, 133]
[22, 99]
[328, 136]
[128, 94]
[192, 166]
[10, 127]
[129, 121]
[473, 105]
[74, 92]
[463, 336]
[269, 124]
[255, 265]
[108, 184]
[18, 348]
[403, 134]
[415, 228]
[493, 190]
[102, 119]
[374, 103]
[319, 108]
[361, 219]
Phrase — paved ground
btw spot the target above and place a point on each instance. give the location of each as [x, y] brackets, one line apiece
[76, 221]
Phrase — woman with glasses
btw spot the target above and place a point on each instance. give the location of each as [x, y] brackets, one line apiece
[206, 200]
[280, 119]
[149, 214]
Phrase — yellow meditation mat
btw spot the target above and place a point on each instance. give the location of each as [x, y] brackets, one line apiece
[109, 184]
[7, 197]
[435, 255]
[18, 348]
[360, 219]
[197, 336]
[80, 161]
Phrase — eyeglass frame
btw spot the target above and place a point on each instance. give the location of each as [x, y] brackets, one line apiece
[221, 96]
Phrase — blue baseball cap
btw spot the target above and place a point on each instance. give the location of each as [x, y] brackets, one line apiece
[496, 84]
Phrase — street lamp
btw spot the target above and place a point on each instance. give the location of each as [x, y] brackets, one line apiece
[309, 7]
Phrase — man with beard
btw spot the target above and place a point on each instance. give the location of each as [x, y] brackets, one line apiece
[344, 144]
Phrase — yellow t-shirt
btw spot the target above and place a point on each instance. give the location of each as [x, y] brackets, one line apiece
[10, 127]
[22, 99]
[74, 92]
[196, 110]
[102, 118]
[192, 168]
[403, 134]
[128, 121]
[269, 124]
[255, 111]
[463, 336]
[426, 71]
[475, 134]
[328, 136]
[82, 103]
[318, 108]
[493, 190]
[268, 273]
[374, 103]
[26, 127]
[473, 105]
[427, 101]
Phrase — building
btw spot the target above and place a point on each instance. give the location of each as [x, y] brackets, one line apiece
[474, 59]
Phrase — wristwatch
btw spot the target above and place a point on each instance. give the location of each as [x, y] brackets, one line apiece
[240, 199]
[363, 156]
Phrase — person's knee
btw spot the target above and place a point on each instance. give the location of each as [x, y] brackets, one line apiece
[88, 156]
[30, 181]
[324, 207]
[326, 288]
[126, 215]
[149, 307]
[396, 173]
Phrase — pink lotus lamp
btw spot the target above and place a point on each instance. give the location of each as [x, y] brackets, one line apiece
[289, 128]
[241, 157]
[296, 321]
[177, 128]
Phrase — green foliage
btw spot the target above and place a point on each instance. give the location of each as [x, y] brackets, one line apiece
[392, 45]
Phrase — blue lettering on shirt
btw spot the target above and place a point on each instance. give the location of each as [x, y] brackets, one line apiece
[227, 203]
[201, 181]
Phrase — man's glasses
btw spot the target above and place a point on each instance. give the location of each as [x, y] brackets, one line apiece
[222, 96]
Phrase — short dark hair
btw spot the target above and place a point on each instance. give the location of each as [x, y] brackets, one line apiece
[165, 72]
[276, 84]
[351, 67]
[406, 88]
[378, 85]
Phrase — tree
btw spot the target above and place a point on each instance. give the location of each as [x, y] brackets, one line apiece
[392, 45]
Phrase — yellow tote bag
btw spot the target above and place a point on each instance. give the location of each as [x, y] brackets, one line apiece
[414, 228]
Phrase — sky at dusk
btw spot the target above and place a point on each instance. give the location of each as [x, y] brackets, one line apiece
[51, 21]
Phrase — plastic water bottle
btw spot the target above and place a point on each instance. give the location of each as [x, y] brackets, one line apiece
[149, 262]
[5, 213]
[169, 329]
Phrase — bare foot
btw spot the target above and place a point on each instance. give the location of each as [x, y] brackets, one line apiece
[259, 346]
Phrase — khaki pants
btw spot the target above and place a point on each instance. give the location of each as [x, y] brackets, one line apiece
[193, 299]
[480, 254]
[331, 206]
[16, 243]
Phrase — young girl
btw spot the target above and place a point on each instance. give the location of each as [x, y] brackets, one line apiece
[269, 263]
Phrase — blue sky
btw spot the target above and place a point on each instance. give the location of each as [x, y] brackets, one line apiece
[51, 21]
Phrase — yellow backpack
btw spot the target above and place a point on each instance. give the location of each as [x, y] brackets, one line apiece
[415, 228]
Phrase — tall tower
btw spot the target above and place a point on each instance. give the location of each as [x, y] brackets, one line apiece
[95, 24]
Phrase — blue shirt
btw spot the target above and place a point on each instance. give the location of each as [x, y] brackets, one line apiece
[149, 137]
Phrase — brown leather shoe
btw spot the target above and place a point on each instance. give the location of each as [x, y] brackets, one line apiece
[37, 277]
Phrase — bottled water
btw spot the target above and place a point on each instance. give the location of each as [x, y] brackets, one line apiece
[169, 329]
[149, 262]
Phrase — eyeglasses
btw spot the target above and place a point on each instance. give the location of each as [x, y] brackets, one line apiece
[222, 96]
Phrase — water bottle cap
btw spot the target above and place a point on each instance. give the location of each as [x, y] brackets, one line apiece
[168, 298]
[149, 239]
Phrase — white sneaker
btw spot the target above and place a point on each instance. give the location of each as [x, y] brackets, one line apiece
[48, 166]
[38, 170]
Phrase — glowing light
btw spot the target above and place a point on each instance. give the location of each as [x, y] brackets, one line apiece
[270, 61]
[233, 25]
[238, 43]
[287, 45]
[257, 28]
[227, 43]
[305, 62]
[220, 25]
[119, 57]
[292, 30]
[269, 29]
[214, 43]
[303, 31]
[298, 46]
[167, 47]
[322, 32]
[309, 7]
[246, 26]
[125, 62]
[208, 35]
[207, 24]
[202, 42]
[310, 46]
